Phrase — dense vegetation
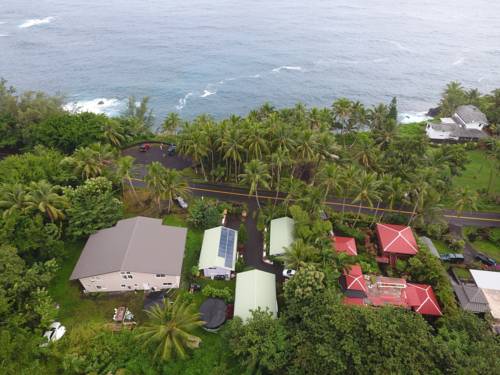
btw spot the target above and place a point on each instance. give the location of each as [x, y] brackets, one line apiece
[66, 179]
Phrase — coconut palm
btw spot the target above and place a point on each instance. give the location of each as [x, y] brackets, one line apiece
[170, 329]
[342, 111]
[154, 181]
[194, 145]
[279, 159]
[113, 133]
[255, 142]
[86, 163]
[378, 116]
[256, 175]
[232, 148]
[298, 254]
[173, 186]
[124, 167]
[13, 198]
[368, 190]
[329, 178]
[171, 123]
[295, 189]
[46, 198]
[464, 198]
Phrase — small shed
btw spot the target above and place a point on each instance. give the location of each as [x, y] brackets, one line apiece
[430, 245]
[218, 252]
[255, 289]
[282, 235]
[213, 313]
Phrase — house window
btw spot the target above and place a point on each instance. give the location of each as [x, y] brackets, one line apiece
[129, 276]
[124, 276]
[129, 287]
[128, 273]
[160, 275]
[167, 283]
[123, 285]
[98, 287]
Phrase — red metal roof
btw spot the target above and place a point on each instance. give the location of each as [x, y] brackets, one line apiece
[422, 299]
[345, 245]
[353, 301]
[396, 239]
[354, 279]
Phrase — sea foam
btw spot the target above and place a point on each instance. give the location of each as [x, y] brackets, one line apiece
[110, 107]
[35, 22]
[183, 101]
[409, 117]
[286, 67]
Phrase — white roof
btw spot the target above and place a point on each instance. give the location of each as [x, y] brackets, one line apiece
[255, 289]
[209, 255]
[486, 279]
[447, 120]
[282, 235]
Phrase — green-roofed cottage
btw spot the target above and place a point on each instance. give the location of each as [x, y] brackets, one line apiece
[255, 289]
[218, 252]
[282, 235]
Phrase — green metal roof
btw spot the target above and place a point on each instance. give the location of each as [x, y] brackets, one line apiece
[282, 235]
[255, 289]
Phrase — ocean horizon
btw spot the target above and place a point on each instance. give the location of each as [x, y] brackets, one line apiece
[229, 57]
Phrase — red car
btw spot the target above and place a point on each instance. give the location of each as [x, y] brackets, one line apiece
[144, 147]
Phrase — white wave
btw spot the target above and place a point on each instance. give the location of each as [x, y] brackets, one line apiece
[183, 101]
[400, 46]
[3, 35]
[230, 79]
[460, 61]
[207, 93]
[221, 82]
[383, 59]
[254, 76]
[36, 22]
[285, 67]
[409, 117]
[110, 107]
[2, 22]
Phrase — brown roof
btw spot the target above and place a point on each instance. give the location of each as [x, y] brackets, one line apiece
[138, 244]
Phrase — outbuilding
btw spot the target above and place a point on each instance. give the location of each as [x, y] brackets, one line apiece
[255, 289]
[218, 252]
[282, 235]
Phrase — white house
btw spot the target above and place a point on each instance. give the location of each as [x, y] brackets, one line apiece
[218, 252]
[136, 254]
[489, 283]
[255, 289]
[281, 236]
[466, 124]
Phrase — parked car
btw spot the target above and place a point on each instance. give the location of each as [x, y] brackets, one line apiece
[181, 202]
[144, 147]
[288, 272]
[452, 258]
[54, 333]
[171, 149]
[486, 260]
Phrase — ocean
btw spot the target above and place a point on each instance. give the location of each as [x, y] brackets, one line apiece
[230, 56]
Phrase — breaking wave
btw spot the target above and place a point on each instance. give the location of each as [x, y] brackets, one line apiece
[409, 117]
[183, 101]
[110, 107]
[35, 22]
[285, 67]
[207, 93]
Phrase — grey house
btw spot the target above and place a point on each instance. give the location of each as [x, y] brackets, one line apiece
[471, 298]
[136, 254]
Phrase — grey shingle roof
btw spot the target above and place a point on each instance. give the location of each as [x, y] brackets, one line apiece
[456, 130]
[138, 244]
[469, 113]
[471, 298]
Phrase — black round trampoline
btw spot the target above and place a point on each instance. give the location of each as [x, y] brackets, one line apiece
[213, 312]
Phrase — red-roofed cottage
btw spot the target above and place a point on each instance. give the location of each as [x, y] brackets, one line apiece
[344, 245]
[396, 241]
[353, 282]
[422, 299]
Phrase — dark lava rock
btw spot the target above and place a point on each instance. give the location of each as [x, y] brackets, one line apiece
[433, 112]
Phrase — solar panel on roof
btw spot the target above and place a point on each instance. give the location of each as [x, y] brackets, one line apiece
[223, 242]
[226, 245]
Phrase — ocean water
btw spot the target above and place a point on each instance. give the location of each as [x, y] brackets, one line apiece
[229, 56]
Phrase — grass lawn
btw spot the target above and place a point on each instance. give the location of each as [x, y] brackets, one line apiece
[411, 130]
[77, 309]
[476, 176]
[488, 248]
[462, 273]
[443, 248]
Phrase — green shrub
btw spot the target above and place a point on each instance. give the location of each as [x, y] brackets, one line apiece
[204, 214]
[226, 294]
[242, 234]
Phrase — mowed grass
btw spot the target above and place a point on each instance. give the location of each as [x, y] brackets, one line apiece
[443, 248]
[77, 308]
[488, 248]
[477, 177]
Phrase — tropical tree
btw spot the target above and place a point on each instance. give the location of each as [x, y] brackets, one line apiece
[256, 175]
[453, 96]
[279, 159]
[173, 186]
[378, 116]
[113, 133]
[123, 171]
[46, 198]
[298, 254]
[342, 111]
[464, 199]
[13, 198]
[170, 328]
[368, 190]
[140, 113]
[232, 148]
[255, 142]
[154, 180]
[171, 123]
[86, 163]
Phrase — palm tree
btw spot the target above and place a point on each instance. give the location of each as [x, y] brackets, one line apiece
[86, 162]
[232, 147]
[329, 178]
[194, 145]
[113, 133]
[453, 96]
[278, 160]
[464, 198]
[256, 175]
[47, 199]
[378, 116]
[170, 328]
[295, 189]
[124, 167]
[298, 254]
[154, 181]
[171, 123]
[368, 190]
[13, 197]
[255, 142]
[173, 186]
[342, 111]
